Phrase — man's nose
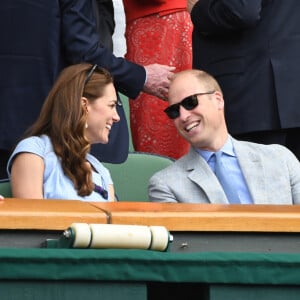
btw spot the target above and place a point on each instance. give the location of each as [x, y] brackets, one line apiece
[183, 113]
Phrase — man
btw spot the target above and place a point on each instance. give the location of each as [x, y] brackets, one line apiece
[252, 48]
[39, 39]
[260, 174]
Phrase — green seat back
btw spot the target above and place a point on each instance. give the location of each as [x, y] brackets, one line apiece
[131, 177]
[125, 102]
[5, 189]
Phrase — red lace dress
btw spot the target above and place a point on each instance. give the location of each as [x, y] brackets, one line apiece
[165, 39]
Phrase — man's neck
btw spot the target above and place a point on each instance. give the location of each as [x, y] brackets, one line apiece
[216, 144]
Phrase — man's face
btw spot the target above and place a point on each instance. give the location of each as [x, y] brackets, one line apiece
[201, 125]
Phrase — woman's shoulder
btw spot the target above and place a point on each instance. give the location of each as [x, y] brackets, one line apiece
[39, 145]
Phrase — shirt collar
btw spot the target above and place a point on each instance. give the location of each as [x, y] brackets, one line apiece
[227, 148]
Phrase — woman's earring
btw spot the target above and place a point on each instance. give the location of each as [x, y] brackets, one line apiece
[86, 113]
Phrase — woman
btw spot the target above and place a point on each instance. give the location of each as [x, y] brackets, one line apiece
[157, 31]
[53, 161]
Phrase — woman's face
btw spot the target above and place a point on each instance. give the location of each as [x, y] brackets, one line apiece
[101, 115]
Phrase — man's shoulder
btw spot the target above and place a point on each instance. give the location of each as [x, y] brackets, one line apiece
[259, 146]
[270, 150]
[175, 168]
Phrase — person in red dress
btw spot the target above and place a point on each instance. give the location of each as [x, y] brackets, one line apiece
[157, 31]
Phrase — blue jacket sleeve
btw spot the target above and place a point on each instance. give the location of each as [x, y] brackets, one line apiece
[80, 41]
[221, 17]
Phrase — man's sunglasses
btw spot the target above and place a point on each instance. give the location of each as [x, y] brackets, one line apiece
[187, 103]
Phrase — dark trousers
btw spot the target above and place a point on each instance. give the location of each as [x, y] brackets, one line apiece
[289, 138]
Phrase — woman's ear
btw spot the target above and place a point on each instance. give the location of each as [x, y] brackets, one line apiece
[84, 103]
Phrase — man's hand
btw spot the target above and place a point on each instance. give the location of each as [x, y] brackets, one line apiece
[158, 80]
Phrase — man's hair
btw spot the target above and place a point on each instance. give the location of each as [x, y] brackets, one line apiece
[207, 80]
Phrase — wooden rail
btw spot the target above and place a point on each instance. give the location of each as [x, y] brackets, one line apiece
[206, 217]
[47, 214]
[59, 214]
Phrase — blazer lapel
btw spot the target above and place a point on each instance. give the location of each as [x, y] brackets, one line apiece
[201, 174]
[253, 170]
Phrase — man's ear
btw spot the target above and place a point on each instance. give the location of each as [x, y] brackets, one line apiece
[220, 99]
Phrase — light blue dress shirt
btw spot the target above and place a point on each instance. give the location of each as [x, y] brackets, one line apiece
[56, 184]
[233, 169]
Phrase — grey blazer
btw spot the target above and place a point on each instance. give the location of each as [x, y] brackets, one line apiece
[272, 173]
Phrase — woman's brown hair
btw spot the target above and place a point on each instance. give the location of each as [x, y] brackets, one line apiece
[63, 119]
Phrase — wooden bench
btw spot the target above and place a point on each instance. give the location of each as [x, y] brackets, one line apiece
[219, 252]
